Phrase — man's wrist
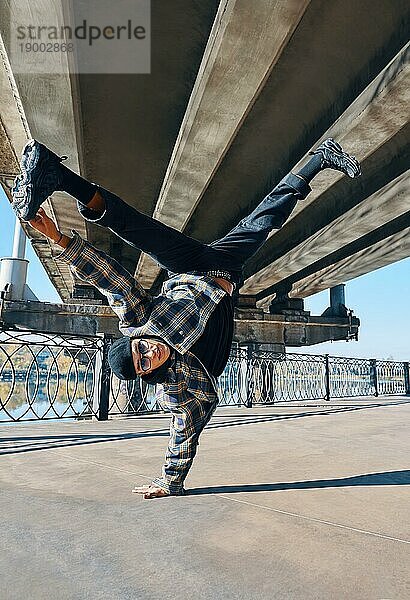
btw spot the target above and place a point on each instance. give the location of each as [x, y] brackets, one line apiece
[57, 238]
[62, 240]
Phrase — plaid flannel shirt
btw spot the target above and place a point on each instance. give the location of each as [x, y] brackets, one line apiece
[178, 315]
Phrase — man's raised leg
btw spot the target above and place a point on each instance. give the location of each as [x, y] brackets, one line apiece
[43, 174]
[237, 246]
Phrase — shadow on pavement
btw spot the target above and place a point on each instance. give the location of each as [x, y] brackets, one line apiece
[30, 443]
[387, 478]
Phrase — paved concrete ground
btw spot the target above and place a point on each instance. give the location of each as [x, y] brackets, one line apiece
[297, 502]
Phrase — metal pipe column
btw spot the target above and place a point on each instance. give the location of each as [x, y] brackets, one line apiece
[13, 270]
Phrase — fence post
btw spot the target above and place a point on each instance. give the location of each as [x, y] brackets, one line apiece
[249, 375]
[104, 391]
[373, 375]
[406, 366]
[327, 377]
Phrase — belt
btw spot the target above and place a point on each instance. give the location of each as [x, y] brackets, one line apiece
[226, 277]
[216, 273]
[222, 274]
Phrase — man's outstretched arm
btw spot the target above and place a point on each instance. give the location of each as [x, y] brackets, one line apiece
[187, 423]
[126, 297]
[191, 398]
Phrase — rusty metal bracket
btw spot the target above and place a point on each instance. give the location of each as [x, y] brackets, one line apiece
[351, 334]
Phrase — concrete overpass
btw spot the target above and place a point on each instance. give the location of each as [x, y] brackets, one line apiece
[238, 94]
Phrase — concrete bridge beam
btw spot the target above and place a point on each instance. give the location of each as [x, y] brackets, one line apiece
[313, 231]
[245, 43]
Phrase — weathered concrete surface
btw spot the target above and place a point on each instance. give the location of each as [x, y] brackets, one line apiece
[357, 207]
[236, 98]
[251, 325]
[144, 112]
[44, 107]
[295, 502]
[244, 45]
[385, 252]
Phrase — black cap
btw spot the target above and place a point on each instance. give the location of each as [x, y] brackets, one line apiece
[120, 359]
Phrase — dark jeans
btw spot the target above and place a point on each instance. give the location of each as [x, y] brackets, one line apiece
[179, 253]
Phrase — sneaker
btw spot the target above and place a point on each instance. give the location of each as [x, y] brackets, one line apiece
[40, 177]
[333, 157]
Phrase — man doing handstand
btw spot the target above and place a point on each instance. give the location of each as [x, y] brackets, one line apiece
[180, 338]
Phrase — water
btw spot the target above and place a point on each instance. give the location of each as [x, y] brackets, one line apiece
[18, 407]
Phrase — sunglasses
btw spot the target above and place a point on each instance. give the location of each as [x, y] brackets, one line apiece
[143, 347]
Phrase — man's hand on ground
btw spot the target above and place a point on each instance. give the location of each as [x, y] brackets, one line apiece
[150, 491]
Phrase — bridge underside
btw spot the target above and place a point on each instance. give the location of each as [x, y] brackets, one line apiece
[238, 94]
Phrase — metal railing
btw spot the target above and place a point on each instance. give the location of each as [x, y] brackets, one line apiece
[289, 377]
[49, 376]
[55, 376]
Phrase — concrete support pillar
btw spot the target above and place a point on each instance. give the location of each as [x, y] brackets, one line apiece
[283, 304]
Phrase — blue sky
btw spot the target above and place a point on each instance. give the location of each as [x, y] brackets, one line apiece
[380, 299]
[37, 277]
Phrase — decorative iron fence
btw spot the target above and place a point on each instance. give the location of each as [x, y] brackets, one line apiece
[392, 377]
[48, 376]
[288, 377]
[55, 376]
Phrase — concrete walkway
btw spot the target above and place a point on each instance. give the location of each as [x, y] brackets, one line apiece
[286, 502]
